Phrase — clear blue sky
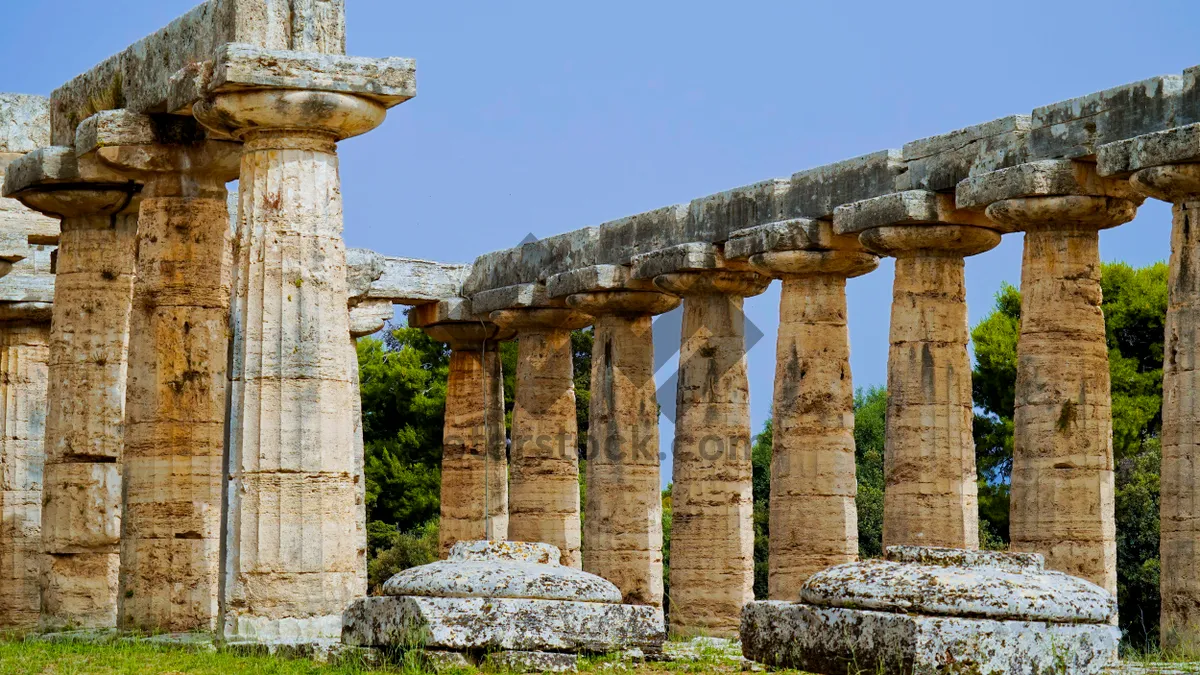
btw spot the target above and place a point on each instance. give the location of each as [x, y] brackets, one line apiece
[545, 117]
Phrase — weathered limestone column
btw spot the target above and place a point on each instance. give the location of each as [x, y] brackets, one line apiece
[543, 497]
[1062, 479]
[291, 560]
[1164, 166]
[623, 516]
[813, 519]
[474, 460]
[930, 495]
[178, 350]
[712, 535]
[89, 339]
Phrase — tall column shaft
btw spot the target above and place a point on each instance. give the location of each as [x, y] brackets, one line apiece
[930, 496]
[24, 351]
[89, 341]
[474, 462]
[623, 515]
[712, 533]
[543, 497]
[1062, 478]
[813, 519]
[175, 409]
[291, 558]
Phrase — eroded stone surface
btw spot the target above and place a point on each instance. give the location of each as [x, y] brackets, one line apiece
[832, 640]
[502, 624]
[24, 122]
[532, 662]
[455, 578]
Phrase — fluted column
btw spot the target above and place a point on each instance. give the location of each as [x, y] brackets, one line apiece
[1179, 546]
[291, 558]
[712, 534]
[813, 519]
[89, 340]
[474, 504]
[623, 516]
[543, 497]
[178, 350]
[24, 351]
[1062, 503]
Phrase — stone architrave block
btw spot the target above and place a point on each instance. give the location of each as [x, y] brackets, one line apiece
[1180, 145]
[815, 193]
[1043, 178]
[695, 256]
[1075, 128]
[940, 162]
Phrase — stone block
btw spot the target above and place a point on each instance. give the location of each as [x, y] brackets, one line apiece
[713, 218]
[796, 234]
[459, 578]
[831, 640]
[594, 278]
[493, 624]
[390, 81]
[443, 311]
[940, 162]
[24, 122]
[1075, 128]
[138, 78]
[409, 281]
[533, 261]
[619, 240]
[531, 662]
[1180, 145]
[911, 207]
[681, 258]
[513, 297]
[54, 164]
[1043, 178]
[363, 268]
[814, 193]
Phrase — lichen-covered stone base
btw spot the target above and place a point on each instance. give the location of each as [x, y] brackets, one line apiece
[531, 662]
[834, 641]
[492, 624]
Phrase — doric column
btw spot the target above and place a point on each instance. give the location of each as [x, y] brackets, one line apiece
[291, 559]
[712, 533]
[1062, 477]
[474, 504]
[813, 519]
[178, 350]
[1163, 166]
[623, 516]
[543, 497]
[89, 339]
[930, 496]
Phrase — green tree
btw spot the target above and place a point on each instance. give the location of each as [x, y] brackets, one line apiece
[870, 412]
[760, 461]
[1135, 302]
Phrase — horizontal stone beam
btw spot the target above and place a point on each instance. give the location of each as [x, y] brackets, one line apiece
[139, 77]
[403, 281]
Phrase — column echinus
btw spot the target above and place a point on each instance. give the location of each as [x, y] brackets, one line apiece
[474, 504]
[930, 496]
[1062, 476]
[292, 558]
[543, 490]
[26, 291]
[1166, 166]
[89, 339]
[178, 350]
[813, 519]
[712, 535]
[623, 515]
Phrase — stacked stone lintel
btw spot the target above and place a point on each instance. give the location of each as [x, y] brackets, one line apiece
[1164, 166]
[474, 504]
[293, 553]
[813, 518]
[81, 503]
[930, 494]
[1062, 477]
[712, 536]
[178, 350]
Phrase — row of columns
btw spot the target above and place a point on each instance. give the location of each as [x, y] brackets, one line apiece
[201, 472]
[1062, 486]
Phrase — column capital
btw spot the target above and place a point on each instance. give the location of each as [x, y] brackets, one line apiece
[635, 303]
[800, 246]
[55, 182]
[170, 154]
[916, 222]
[469, 335]
[369, 316]
[1055, 193]
[847, 264]
[540, 318]
[1171, 183]
[698, 268]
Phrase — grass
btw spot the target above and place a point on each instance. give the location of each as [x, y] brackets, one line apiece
[114, 657]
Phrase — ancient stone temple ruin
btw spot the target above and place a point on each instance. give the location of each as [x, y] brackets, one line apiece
[181, 436]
